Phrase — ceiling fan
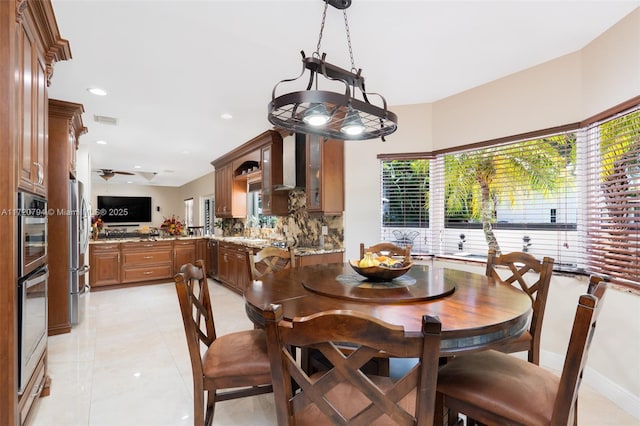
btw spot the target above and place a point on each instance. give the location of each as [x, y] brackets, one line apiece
[107, 174]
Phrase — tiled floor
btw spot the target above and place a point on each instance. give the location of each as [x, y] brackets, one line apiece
[127, 364]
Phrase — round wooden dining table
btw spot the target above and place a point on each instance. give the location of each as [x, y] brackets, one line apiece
[475, 311]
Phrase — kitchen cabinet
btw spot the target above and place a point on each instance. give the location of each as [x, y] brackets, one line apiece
[146, 261]
[184, 251]
[32, 391]
[212, 258]
[105, 264]
[201, 252]
[232, 266]
[319, 259]
[32, 98]
[274, 203]
[325, 175]
[30, 46]
[232, 172]
[65, 127]
[231, 194]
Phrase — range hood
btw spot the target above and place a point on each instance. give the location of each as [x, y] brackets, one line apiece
[293, 163]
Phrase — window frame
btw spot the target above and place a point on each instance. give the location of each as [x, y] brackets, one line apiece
[436, 197]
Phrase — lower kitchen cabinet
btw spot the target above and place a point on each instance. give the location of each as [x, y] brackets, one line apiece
[201, 252]
[34, 389]
[184, 251]
[212, 258]
[140, 261]
[146, 261]
[104, 260]
[232, 266]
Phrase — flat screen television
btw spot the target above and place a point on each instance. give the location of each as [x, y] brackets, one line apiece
[121, 209]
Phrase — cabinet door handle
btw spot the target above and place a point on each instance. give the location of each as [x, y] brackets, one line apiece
[148, 257]
[148, 272]
[39, 390]
[39, 173]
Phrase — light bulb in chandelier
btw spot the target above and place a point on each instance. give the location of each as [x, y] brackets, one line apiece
[316, 115]
[352, 124]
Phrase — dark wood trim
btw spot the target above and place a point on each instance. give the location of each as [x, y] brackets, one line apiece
[519, 137]
[612, 111]
[483, 144]
[8, 237]
[407, 156]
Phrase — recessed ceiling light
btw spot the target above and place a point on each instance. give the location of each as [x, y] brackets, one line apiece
[101, 142]
[137, 167]
[226, 116]
[97, 91]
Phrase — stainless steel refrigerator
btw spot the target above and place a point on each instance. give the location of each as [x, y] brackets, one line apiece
[78, 241]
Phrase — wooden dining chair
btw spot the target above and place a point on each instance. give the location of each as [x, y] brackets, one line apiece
[497, 388]
[516, 265]
[343, 394]
[393, 250]
[268, 260]
[233, 366]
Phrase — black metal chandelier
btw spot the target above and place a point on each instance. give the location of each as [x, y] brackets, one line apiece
[330, 114]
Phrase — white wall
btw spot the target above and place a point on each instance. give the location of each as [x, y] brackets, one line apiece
[201, 187]
[167, 198]
[566, 90]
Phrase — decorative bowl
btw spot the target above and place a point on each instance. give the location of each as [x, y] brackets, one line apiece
[380, 273]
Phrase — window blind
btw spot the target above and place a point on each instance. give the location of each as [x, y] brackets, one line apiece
[520, 196]
[612, 219]
[405, 202]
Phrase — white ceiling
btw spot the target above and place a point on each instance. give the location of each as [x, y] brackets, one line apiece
[171, 68]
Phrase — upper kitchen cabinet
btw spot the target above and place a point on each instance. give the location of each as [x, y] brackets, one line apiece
[65, 123]
[325, 175]
[39, 47]
[258, 159]
[274, 203]
[231, 195]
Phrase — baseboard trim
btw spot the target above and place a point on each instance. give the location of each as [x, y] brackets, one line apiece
[600, 383]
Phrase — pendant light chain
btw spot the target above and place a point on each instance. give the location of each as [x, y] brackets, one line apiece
[346, 27]
[324, 18]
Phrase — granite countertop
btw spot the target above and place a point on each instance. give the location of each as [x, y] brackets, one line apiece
[261, 243]
[244, 241]
[138, 239]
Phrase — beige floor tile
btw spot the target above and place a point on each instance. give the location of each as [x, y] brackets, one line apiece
[128, 364]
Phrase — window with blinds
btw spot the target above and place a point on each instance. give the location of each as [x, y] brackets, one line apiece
[519, 196]
[405, 202]
[612, 219]
[571, 195]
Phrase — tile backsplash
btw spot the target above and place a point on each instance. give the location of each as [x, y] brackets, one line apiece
[302, 228]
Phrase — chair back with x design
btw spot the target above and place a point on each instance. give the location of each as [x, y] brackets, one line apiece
[536, 285]
[343, 394]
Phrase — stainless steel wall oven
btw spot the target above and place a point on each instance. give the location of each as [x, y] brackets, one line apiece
[32, 324]
[33, 274]
[32, 232]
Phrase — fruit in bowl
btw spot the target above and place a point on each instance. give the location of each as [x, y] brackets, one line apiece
[380, 268]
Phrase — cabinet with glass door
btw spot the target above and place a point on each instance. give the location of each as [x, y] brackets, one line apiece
[325, 175]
